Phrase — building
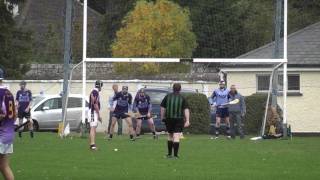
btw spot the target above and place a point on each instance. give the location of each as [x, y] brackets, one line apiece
[303, 77]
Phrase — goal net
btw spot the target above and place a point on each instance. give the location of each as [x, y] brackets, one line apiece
[142, 38]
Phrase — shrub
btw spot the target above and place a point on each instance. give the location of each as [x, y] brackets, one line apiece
[199, 113]
[255, 112]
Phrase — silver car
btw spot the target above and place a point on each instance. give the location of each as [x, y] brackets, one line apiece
[46, 111]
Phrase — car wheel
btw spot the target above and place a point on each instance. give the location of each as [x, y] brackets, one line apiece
[35, 125]
[79, 128]
[83, 128]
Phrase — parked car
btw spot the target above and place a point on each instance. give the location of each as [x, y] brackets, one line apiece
[46, 111]
[157, 95]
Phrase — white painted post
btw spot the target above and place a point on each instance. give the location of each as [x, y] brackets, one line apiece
[285, 87]
[84, 57]
[285, 67]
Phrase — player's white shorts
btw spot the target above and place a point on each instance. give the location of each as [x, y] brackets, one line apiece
[6, 148]
[93, 118]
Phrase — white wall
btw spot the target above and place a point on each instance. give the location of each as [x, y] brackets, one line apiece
[303, 111]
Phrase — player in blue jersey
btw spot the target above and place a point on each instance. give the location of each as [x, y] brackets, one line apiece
[7, 118]
[121, 107]
[110, 108]
[94, 113]
[24, 100]
[142, 105]
[219, 99]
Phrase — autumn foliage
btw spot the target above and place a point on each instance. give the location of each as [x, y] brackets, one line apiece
[154, 29]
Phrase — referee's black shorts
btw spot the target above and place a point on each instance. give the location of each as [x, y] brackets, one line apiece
[174, 125]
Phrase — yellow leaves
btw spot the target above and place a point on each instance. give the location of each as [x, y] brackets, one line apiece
[159, 29]
[151, 28]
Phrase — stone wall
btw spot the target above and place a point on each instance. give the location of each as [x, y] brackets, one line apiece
[55, 71]
[105, 71]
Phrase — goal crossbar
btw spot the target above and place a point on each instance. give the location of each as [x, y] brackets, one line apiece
[195, 60]
[238, 60]
[132, 60]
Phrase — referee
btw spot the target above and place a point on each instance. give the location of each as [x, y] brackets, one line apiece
[175, 113]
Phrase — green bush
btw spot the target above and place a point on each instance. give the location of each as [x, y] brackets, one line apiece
[199, 113]
[255, 112]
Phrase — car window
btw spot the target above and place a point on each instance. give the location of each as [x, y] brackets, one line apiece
[36, 100]
[54, 103]
[156, 96]
[74, 102]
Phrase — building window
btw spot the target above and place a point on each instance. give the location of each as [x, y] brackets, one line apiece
[264, 79]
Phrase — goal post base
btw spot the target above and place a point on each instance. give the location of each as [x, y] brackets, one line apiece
[285, 130]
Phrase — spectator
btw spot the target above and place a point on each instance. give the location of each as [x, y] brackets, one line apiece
[237, 112]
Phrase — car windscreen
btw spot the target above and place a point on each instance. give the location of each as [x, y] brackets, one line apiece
[156, 96]
[36, 100]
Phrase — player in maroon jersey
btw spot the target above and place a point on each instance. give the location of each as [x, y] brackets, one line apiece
[7, 118]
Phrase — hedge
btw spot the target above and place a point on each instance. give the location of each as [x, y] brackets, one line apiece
[199, 113]
[255, 111]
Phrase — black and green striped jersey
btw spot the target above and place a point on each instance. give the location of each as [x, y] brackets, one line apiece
[175, 104]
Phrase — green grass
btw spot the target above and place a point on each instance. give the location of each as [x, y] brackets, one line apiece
[48, 157]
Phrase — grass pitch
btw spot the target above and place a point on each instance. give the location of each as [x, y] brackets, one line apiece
[48, 157]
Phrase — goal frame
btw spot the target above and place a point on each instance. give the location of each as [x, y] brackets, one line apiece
[283, 61]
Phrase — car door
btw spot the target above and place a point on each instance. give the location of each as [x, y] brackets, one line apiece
[74, 112]
[49, 113]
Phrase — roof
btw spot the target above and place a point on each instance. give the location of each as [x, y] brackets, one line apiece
[44, 16]
[37, 14]
[303, 48]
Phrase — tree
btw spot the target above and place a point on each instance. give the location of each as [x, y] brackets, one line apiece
[16, 46]
[302, 14]
[154, 29]
[98, 5]
[52, 46]
[161, 29]
[112, 22]
[257, 22]
[224, 27]
[215, 26]
[231, 28]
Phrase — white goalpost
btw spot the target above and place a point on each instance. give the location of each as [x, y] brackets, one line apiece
[195, 60]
